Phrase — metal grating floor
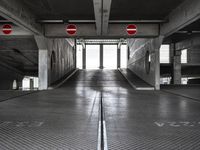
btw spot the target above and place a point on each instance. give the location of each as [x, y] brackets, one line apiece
[67, 118]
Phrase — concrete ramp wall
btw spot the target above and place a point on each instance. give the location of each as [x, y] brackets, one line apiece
[144, 59]
[61, 59]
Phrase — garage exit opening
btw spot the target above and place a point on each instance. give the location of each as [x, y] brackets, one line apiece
[101, 56]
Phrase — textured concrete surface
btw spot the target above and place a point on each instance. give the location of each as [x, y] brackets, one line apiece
[136, 82]
[7, 78]
[9, 95]
[138, 61]
[67, 118]
[190, 91]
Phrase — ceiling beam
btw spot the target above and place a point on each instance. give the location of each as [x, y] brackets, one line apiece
[16, 12]
[89, 31]
[185, 14]
[106, 16]
[93, 21]
[98, 15]
[16, 31]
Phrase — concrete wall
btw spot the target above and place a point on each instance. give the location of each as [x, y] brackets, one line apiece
[7, 77]
[63, 60]
[193, 46]
[194, 55]
[138, 49]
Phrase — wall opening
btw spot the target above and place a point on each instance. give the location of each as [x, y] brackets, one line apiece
[26, 83]
[110, 56]
[92, 56]
[184, 59]
[147, 62]
[164, 54]
[15, 86]
[124, 56]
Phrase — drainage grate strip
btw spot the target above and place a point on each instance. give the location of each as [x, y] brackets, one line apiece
[102, 135]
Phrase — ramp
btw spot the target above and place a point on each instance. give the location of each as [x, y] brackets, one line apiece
[135, 81]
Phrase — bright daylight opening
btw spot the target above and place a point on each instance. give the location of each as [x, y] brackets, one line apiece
[110, 56]
[92, 56]
[124, 56]
[184, 56]
[164, 54]
[26, 83]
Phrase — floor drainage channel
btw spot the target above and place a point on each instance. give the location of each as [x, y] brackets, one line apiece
[102, 135]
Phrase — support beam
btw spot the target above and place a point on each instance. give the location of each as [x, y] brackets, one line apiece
[191, 42]
[16, 12]
[106, 16]
[101, 56]
[119, 57]
[43, 62]
[185, 14]
[89, 31]
[98, 15]
[16, 31]
[84, 58]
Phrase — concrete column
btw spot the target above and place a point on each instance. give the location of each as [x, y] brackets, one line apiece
[84, 57]
[43, 69]
[119, 57]
[177, 68]
[175, 60]
[128, 53]
[43, 62]
[19, 84]
[101, 56]
[75, 53]
[31, 84]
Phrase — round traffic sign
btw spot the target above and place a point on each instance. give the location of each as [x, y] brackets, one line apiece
[71, 29]
[7, 29]
[131, 29]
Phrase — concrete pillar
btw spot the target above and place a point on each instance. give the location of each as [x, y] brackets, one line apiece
[101, 56]
[43, 69]
[177, 68]
[43, 62]
[119, 57]
[19, 84]
[75, 53]
[84, 57]
[128, 53]
[175, 60]
[31, 84]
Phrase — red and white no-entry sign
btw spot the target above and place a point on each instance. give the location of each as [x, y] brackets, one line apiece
[71, 29]
[131, 29]
[7, 29]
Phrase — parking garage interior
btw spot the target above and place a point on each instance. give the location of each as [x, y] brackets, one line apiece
[99, 74]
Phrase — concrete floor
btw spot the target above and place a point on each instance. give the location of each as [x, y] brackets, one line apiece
[189, 91]
[11, 94]
[67, 118]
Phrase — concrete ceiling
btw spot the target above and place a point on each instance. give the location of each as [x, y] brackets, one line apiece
[62, 9]
[83, 9]
[185, 33]
[142, 9]
[23, 57]
[195, 26]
